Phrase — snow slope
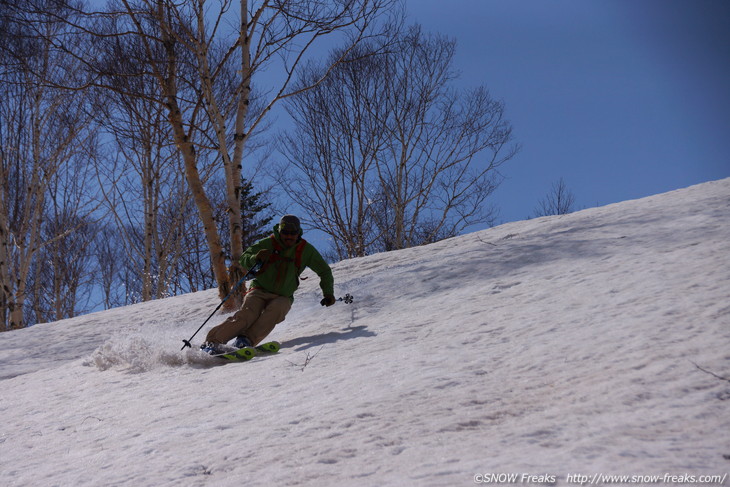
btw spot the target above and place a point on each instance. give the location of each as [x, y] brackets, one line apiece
[551, 347]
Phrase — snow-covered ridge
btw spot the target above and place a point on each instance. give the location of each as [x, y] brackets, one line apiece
[578, 344]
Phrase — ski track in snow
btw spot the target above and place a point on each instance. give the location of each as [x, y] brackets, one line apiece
[558, 345]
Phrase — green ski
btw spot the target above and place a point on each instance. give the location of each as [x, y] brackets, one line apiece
[247, 353]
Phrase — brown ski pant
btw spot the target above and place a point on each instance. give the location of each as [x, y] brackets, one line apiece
[260, 313]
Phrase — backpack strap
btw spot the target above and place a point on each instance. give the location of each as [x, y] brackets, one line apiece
[276, 254]
[298, 254]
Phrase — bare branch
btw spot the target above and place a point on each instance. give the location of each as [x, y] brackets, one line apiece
[711, 373]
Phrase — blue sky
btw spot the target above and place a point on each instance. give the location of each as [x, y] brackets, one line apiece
[621, 98]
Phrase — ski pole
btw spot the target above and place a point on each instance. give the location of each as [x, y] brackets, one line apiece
[251, 273]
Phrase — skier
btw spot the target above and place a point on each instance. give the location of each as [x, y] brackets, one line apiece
[284, 254]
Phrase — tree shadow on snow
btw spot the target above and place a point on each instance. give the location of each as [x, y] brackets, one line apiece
[306, 342]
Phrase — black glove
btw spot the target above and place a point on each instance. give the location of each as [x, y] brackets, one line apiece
[328, 300]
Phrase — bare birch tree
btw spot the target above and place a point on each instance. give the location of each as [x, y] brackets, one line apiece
[444, 147]
[204, 71]
[559, 201]
[142, 179]
[393, 155]
[335, 148]
[42, 131]
[63, 274]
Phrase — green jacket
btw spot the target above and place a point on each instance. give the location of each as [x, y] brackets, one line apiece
[281, 276]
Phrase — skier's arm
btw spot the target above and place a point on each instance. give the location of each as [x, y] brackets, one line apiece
[248, 258]
[323, 270]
